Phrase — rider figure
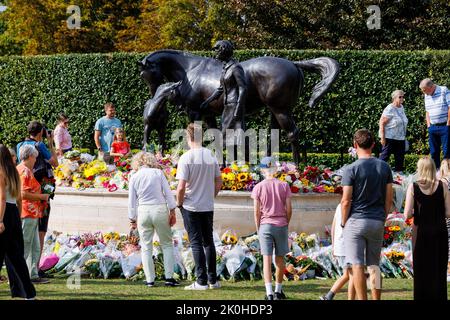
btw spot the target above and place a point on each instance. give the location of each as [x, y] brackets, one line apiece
[234, 86]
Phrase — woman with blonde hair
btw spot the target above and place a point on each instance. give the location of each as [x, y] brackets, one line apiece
[428, 201]
[392, 132]
[151, 206]
[445, 175]
[11, 238]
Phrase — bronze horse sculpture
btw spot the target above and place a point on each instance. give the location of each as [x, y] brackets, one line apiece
[272, 82]
[155, 113]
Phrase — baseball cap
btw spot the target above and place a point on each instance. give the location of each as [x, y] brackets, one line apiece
[266, 162]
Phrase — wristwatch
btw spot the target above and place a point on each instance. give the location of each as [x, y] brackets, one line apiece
[342, 225]
[180, 206]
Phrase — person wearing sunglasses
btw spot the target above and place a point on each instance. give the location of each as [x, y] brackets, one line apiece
[63, 140]
[393, 123]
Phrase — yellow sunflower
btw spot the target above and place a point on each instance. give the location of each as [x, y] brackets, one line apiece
[243, 176]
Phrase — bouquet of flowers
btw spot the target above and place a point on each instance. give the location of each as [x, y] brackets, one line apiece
[296, 267]
[94, 168]
[237, 177]
[92, 267]
[107, 237]
[395, 256]
[90, 239]
[252, 242]
[395, 233]
[73, 155]
[306, 242]
[229, 237]
[123, 165]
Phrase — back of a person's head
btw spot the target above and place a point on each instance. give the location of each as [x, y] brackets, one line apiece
[426, 170]
[445, 168]
[61, 117]
[142, 159]
[364, 138]
[9, 171]
[34, 128]
[194, 132]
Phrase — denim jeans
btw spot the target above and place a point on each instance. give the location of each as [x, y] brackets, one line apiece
[437, 136]
[199, 226]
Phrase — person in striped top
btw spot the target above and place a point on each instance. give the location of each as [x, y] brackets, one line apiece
[437, 102]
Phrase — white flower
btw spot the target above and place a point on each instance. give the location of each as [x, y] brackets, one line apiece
[298, 184]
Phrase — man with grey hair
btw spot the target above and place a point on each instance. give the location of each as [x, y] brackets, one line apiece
[437, 101]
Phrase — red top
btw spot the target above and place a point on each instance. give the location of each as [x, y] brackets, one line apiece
[120, 147]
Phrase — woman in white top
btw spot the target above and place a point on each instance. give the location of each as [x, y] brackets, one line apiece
[11, 238]
[392, 131]
[151, 206]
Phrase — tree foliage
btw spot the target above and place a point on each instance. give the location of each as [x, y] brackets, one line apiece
[39, 26]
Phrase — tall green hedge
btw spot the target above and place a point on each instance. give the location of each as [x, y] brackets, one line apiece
[40, 87]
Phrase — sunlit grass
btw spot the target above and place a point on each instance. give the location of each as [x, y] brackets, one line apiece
[114, 289]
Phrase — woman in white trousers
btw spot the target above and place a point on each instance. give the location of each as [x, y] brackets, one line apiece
[151, 207]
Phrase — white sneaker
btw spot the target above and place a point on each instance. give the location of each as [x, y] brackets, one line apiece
[196, 286]
[215, 285]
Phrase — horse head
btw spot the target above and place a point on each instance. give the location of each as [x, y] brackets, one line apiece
[150, 72]
[166, 92]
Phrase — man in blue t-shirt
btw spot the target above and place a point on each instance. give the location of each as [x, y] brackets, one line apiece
[104, 132]
[366, 201]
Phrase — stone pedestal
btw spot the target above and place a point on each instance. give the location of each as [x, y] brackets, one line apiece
[91, 210]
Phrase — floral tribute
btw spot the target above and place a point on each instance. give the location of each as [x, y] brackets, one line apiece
[112, 255]
[81, 171]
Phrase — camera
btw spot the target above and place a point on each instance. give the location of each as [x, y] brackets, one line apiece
[45, 131]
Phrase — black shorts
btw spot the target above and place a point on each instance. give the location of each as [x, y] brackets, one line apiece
[43, 222]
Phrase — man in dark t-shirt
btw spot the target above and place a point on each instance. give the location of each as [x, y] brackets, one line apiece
[366, 201]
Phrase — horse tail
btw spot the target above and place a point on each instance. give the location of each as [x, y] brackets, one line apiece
[328, 68]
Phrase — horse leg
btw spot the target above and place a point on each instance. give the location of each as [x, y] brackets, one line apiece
[211, 122]
[287, 123]
[162, 137]
[146, 135]
[273, 125]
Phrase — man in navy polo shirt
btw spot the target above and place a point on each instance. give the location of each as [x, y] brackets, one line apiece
[437, 102]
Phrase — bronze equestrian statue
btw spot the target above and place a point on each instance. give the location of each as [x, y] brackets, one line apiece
[272, 82]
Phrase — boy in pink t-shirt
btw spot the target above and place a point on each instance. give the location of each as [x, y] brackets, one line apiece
[273, 211]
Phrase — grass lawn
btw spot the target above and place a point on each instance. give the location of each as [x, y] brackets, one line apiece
[114, 289]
